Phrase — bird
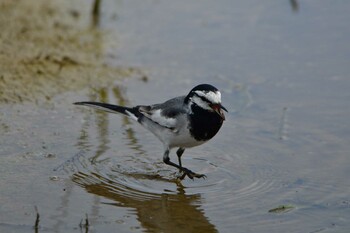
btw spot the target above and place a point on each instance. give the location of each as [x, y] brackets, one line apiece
[181, 122]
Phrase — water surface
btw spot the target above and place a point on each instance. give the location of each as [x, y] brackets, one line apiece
[283, 70]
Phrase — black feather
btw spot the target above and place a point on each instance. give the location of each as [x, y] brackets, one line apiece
[111, 108]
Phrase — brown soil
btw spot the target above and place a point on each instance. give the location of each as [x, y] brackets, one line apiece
[48, 47]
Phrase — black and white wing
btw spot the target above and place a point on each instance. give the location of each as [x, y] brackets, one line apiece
[166, 114]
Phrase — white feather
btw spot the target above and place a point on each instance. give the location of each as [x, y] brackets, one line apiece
[132, 116]
[157, 117]
[201, 103]
[180, 137]
[213, 97]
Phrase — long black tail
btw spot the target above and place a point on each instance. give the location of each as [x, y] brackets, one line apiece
[130, 112]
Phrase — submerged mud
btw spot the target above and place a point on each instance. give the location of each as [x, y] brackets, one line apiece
[51, 47]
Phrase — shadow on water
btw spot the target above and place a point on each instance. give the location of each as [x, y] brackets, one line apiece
[146, 191]
[295, 5]
[96, 12]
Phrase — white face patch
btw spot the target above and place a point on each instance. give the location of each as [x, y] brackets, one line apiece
[201, 103]
[213, 97]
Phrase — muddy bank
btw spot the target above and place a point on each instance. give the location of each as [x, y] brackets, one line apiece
[49, 47]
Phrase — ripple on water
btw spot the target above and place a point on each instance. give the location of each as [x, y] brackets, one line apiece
[241, 195]
[143, 183]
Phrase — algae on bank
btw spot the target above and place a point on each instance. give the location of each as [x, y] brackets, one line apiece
[49, 47]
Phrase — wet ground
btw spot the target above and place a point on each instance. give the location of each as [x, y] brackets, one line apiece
[279, 164]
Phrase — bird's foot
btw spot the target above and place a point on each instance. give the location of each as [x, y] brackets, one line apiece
[190, 174]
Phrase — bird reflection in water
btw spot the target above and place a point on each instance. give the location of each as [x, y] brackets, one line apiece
[163, 212]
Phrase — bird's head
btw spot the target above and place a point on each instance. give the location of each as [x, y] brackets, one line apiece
[206, 97]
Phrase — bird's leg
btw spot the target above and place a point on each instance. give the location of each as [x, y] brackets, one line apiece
[186, 171]
[179, 153]
[166, 160]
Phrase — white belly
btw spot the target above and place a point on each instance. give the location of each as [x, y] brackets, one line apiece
[182, 139]
[172, 138]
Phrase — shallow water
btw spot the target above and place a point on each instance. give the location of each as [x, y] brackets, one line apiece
[283, 70]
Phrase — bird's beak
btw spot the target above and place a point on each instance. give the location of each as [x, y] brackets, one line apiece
[218, 109]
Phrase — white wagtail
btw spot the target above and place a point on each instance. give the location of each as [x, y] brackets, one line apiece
[182, 122]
